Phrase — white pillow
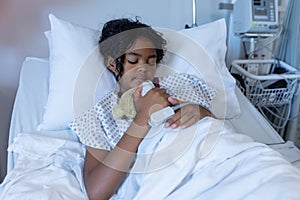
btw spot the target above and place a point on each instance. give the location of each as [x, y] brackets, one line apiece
[212, 37]
[71, 44]
[74, 49]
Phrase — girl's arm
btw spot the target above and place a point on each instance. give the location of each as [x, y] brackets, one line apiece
[104, 171]
[187, 115]
[188, 88]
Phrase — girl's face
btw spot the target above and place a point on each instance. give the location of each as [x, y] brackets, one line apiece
[139, 64]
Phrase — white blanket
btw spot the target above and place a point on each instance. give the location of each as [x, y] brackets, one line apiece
[205, 161]
[47, 168]
[208, 161]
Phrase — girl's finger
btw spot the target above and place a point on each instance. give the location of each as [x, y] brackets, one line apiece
[190, 122]
[174, 121]
[137, 93]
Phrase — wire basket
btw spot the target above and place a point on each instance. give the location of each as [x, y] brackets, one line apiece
[266, 82]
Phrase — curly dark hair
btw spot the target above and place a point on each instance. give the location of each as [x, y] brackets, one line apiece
[119, 35]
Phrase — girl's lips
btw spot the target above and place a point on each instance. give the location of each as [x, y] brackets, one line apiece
[139, 78]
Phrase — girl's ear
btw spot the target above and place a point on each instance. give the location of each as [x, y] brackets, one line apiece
[111, 64]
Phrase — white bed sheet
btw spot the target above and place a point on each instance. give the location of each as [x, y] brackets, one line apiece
[31, 96]
[46, 168]
[29, 104]
[33, 92]
[27, 114]
[232, 167]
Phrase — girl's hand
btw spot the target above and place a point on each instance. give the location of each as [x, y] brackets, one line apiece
[154, 100]
[187, 115]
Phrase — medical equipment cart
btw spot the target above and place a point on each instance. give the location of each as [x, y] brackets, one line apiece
[269, 85]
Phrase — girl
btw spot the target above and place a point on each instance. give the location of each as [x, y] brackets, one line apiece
[132, 51]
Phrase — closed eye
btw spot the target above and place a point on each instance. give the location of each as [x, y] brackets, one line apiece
[133, 62]
[152, 61]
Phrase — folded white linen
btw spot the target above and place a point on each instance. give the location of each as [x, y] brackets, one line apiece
[46, 168]
[205, 161]
[210, 162]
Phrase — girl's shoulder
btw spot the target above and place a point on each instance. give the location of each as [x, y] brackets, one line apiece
[109, 98]
[177, 77]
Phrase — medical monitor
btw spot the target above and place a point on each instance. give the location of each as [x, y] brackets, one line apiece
[255, 16]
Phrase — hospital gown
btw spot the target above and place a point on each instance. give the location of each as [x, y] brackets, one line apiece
[97, 128]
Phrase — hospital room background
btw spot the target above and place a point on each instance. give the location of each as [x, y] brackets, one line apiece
[23, 23]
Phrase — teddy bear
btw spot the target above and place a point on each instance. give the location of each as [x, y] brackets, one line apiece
[125, 108]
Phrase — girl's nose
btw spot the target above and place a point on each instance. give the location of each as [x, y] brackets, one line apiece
[142, 67]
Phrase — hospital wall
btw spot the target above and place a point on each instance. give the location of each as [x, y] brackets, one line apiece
[22, 26]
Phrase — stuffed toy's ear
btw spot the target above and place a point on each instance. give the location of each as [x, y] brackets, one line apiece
[125, 108]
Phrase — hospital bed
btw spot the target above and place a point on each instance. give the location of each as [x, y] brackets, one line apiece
[53, 157]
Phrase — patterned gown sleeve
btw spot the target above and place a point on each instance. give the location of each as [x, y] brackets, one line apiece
[89, 128]
[189, 88]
